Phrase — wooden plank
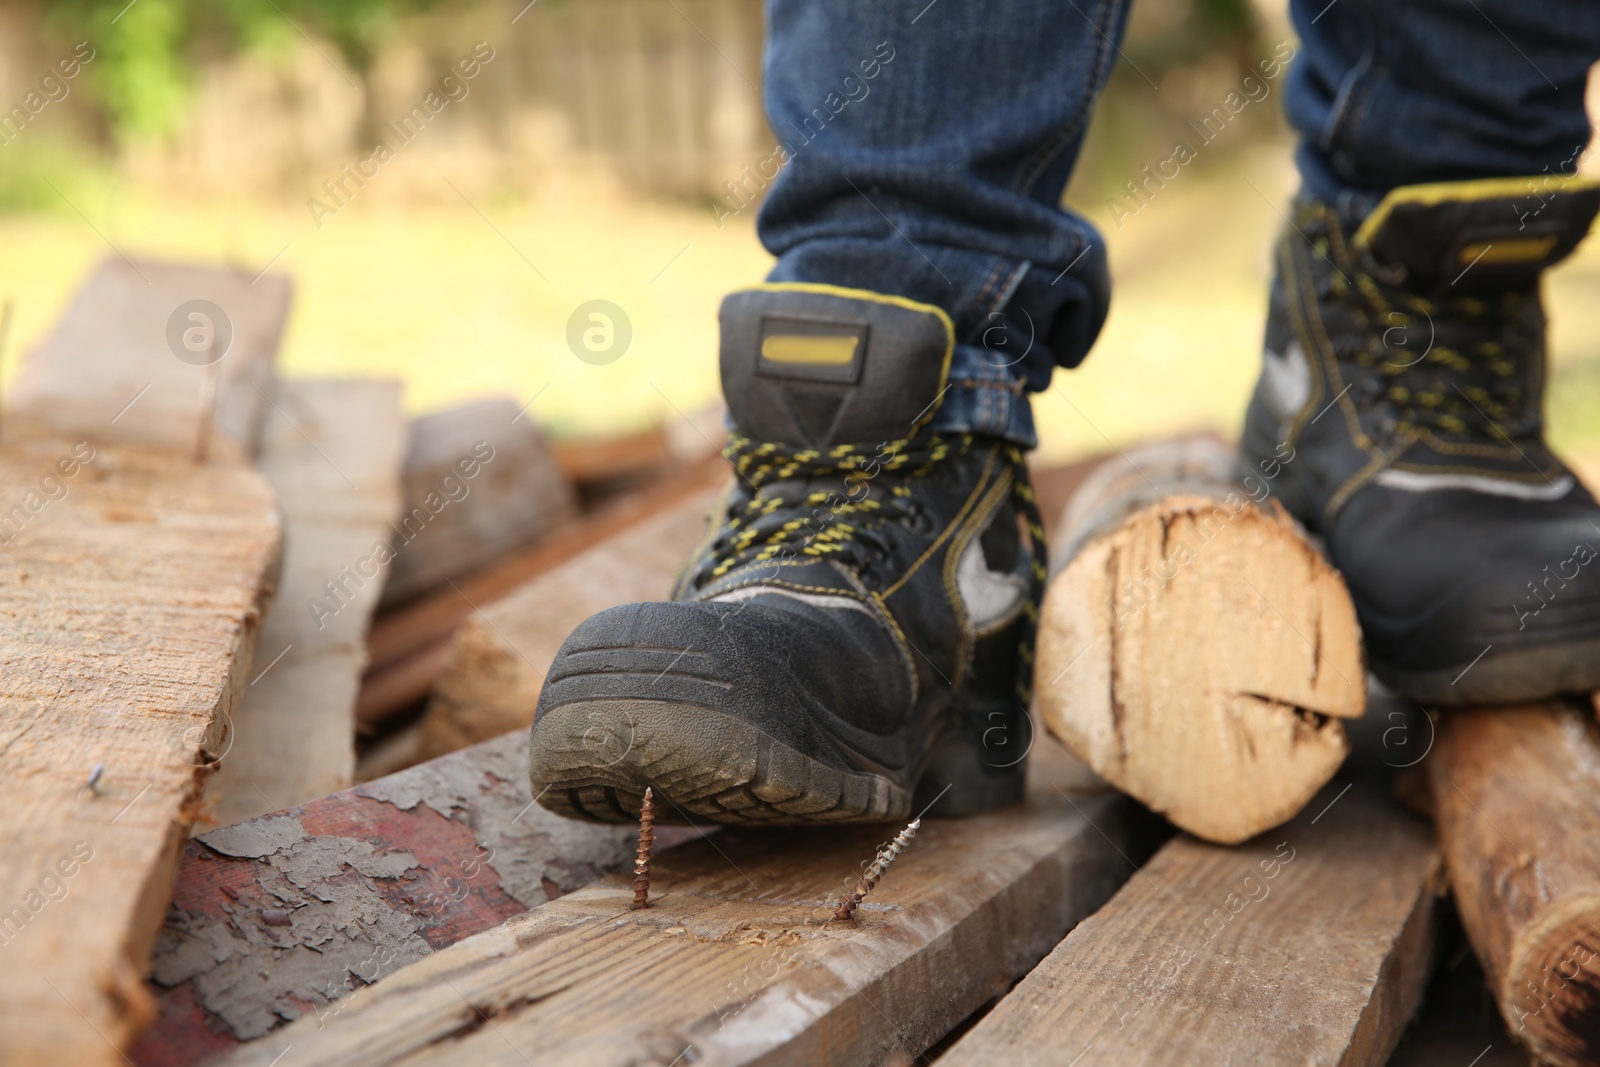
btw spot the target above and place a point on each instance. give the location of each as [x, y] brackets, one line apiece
[133, 598]
[135, 581]
[1516, 796]
[1195, 649]
[735, 962]
[399, 684]
[501, 653]
[479, 482]
[331, 449]
[597, 460]
[405, 644]
[1311, 944]
[370, 879]
[108, 372]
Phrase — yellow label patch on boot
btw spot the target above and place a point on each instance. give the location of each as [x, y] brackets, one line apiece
[814, 349]
[1508, 250]
[798, 348]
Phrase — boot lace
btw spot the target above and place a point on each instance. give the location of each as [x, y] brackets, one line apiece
[822, 503]
[839, 503]
[1456, 365]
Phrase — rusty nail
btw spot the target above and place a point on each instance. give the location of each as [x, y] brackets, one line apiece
[647, 840]
[886, 855]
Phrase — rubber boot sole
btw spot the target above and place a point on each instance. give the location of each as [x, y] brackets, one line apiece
[593, 759]
[1518, 676]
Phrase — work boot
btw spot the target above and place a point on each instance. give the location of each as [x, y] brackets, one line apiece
[1399, 416]
[854, 639]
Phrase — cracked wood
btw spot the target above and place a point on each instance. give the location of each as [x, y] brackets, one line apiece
[1194, 648]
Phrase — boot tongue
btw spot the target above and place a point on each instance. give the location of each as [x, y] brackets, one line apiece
[813, 366]
[1480, 237]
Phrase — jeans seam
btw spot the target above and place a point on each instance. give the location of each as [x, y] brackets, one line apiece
[988, 283]
[1350, 103]
[1097, 74]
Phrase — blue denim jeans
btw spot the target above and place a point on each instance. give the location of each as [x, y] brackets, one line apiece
[923, 148]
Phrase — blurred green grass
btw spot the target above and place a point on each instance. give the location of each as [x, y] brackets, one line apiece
[445, 299]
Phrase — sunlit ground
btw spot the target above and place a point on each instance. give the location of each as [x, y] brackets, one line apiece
[459, 305]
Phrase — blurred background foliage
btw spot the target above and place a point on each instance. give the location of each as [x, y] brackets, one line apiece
[595, 149]
[144, 74]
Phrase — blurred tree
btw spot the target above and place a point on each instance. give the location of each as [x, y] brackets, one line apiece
[146, 49]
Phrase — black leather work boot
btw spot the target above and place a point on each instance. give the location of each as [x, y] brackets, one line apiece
[1399, 415]
[855, 636]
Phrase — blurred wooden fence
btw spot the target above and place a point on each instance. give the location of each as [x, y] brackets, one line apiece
[659, 95]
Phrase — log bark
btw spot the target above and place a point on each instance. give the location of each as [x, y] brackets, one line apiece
[331, 449]
[1308, 945]
[1516, 794]
[735, 960]
[1194, 648]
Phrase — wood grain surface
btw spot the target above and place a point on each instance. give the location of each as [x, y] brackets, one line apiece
[132, 603]
[735, 961]
[1309, 945]
[479, 483]
[109, 370]
[331, 450]
[1194, 648]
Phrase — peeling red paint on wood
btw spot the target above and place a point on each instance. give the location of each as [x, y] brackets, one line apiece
[369, 880]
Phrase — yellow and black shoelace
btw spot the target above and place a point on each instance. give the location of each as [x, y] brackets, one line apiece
[873, 485]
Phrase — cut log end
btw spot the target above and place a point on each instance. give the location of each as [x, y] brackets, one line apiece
[1199, 656]
[1558, 1004]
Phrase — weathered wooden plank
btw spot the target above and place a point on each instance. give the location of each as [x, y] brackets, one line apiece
[735, 961]
[368, 880]
[108, 372]
[501, 653]
[1195, 649]
[1311, 944]
[331, 449]
[479, 483]
[132, 598]
[1516, 797]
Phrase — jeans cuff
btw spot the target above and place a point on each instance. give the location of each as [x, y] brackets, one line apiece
[985, 396]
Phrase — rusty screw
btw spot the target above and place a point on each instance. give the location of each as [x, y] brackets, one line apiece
[886, 855]
[641, 861]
